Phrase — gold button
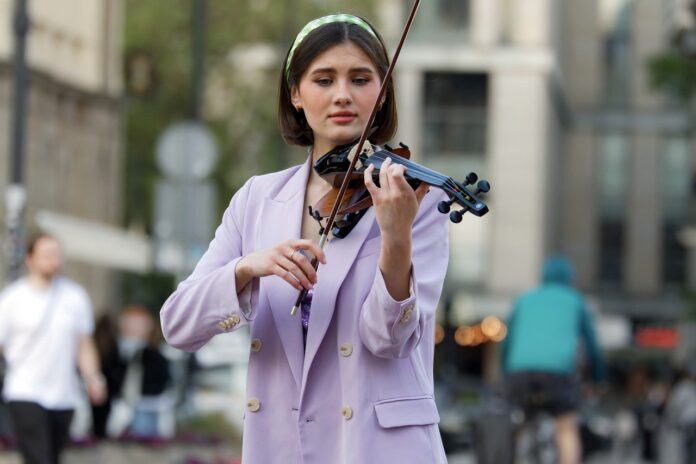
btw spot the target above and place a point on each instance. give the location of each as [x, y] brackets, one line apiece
[253, 405]
[222, 325]
[347, 412]
[407, 315]
[234, 319]
[256, 344]
[346, 349]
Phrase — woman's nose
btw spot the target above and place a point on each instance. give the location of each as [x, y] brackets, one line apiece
[342, 95]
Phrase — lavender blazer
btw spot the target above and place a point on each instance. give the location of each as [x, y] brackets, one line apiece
[362, 389]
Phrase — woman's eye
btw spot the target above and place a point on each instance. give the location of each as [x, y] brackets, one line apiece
[324, 81]
[361, 80]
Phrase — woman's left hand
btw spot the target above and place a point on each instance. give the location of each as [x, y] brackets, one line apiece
[396, 203]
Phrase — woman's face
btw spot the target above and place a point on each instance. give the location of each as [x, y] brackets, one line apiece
[337, 93]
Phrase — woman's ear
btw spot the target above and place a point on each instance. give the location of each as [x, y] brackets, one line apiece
[295, 98]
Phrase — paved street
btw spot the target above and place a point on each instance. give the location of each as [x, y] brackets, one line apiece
[123, 453]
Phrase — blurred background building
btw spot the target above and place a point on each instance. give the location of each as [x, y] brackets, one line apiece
[74, 142]
[551, 102]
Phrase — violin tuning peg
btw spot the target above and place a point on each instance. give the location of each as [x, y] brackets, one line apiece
[483, 187]
[444, 206]
[403, 145]
[388, 147]
[471, 178]
[456, 216]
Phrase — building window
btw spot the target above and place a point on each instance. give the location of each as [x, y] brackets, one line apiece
[676, 191]
[440, 20]
[454, 143]
[616, 22]
[613, 190]
[453, 14]
[455, 114]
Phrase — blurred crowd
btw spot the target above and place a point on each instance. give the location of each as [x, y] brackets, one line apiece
[141, 398]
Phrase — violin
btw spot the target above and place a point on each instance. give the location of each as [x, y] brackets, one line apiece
[333, 167]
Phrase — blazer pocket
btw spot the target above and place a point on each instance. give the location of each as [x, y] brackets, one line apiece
[370, 247]
[400, 412]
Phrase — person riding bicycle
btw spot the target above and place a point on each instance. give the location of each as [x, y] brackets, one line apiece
[539, 355]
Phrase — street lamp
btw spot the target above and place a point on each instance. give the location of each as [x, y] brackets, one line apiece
[15, 195]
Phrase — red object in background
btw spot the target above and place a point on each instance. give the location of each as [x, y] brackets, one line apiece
[656, 337]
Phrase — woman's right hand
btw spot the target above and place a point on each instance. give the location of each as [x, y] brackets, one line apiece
[287, 260]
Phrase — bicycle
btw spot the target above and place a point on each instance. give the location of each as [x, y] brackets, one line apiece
[534, 437]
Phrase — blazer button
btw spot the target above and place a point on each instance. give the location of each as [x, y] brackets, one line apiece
[234, 319]
[346, 349]
[406, 316]
[347, 412]
[222, 325]
[256, 345]
[253, 405]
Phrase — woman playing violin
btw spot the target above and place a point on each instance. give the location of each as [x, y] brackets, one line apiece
[349, 379]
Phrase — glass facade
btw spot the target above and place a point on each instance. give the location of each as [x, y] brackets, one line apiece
[442, 20]
[454, 143]
[613, 192]
[455, 114]
[677, 185]
[617, 56]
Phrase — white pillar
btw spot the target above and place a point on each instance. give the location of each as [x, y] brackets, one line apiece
[410, 104]
[486, 20]
[518, 156]
[529, 22]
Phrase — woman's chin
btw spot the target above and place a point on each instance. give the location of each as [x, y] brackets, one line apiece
[346, 138]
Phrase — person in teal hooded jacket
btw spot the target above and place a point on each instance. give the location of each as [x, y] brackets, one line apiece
[540, 353]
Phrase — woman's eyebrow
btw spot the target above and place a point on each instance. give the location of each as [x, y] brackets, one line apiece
[362, 70]
[330, 70]
[323, 70]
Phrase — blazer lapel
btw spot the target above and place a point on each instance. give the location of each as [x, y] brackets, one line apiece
[340, 255]
[281, 219]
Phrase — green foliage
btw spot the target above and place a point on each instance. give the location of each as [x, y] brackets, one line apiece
[239, 102]
[674, 74]
[150, 290]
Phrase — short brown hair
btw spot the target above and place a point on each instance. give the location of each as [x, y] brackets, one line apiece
[34, 239]
[293, 124]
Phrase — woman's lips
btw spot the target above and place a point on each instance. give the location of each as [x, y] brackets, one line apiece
[342, 117]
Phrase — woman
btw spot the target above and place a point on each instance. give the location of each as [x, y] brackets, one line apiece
[350, 379]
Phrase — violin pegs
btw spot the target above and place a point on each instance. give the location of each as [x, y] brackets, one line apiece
[483, 187]
[444, 206]
[456, 216]
[471, 178]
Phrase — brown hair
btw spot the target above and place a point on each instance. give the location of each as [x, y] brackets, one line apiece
[34, 240]
[293, 124]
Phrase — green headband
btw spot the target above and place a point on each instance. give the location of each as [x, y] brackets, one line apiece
[315, 24]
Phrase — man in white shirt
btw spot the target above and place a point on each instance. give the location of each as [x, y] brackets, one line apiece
[46, 325]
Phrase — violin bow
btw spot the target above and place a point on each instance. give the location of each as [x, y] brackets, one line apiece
[361, 143]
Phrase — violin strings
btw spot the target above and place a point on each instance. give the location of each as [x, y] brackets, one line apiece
[425, 174]
[428, 175]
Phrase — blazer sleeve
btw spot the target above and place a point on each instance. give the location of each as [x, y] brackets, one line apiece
[393, 329]
[207, 303]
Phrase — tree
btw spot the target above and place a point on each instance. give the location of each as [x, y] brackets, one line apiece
[239, 103]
